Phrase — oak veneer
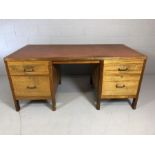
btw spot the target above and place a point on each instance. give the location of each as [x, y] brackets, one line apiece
[30, 86]
[34, 73]
[28, 67]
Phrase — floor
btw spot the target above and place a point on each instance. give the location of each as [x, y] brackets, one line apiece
[76, 113]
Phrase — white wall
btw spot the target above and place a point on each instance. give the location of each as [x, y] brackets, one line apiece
[138, 34]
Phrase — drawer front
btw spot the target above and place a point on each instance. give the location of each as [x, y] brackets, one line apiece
[31, 86]
[28, 67]
[121, 77]
[127, 66]
[120, 88]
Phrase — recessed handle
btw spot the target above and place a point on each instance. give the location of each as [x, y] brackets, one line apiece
[123, 68]
[28, 69]
[31, 87]
[120, 86]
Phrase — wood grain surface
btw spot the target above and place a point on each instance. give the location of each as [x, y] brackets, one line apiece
[31, 85]
[120, 88]
[28, 67]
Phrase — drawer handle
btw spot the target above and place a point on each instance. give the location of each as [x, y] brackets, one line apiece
[28, 69]
[120, 86]
[31, 87]
[123, 69]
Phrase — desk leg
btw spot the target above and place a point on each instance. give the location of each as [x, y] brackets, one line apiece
[98, 104]
[17, 106]
[16, 102]
[134, 103]
[100, 79]
[135, 100]
[53, 103]
[54, 78]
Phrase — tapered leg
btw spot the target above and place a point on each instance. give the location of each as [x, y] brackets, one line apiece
[53, 103]
[17, 106]
[98, 104]
[134, 103]
[100, 74]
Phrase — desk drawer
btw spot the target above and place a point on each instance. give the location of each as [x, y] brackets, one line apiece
[115, 66]
[28, 67]
[120, 88]
[121, 77]
[26, 86]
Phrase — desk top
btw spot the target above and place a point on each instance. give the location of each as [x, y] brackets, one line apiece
[71, 52]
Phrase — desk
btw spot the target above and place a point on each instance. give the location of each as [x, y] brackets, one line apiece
[33, 71]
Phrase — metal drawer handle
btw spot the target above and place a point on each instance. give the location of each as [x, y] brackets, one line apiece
[123, 69]
[120, 86]
[31, 87]
[29, 69]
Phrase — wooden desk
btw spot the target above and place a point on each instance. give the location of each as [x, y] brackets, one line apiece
[33, 70]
